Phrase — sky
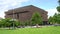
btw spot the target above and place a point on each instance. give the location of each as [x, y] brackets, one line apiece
[48, 5]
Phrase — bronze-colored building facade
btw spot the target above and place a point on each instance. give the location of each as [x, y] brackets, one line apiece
[25, 13]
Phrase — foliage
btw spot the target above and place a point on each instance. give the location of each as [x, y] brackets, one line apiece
[58, 19]
[27, 23]
[8, 23]
[17, 23]
[50, 20]
[58, 8]
[36, 18]
[55, 19]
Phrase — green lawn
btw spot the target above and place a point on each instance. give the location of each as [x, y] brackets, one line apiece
[44, 30]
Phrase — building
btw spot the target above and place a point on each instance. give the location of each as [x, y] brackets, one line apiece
[25, 13]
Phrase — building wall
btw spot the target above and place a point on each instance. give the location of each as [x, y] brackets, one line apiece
[26, 13]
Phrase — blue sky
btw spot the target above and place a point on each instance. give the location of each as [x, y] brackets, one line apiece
[48, 5]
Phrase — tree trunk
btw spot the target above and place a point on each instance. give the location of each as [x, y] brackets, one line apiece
[37, 26]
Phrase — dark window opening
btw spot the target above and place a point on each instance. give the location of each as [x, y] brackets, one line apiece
[17, 16]
[24, 11]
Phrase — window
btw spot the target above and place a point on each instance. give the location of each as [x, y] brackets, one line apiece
[24, 11]
[17, 16]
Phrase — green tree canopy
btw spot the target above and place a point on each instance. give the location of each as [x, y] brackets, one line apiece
[58, 8]
[7, 22]
[36, 18]
[55, 19]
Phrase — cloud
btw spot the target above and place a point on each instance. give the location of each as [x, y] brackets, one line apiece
[51, 12]
[8, 4]
[11, 2]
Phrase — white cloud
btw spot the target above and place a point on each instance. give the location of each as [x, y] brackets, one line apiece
[7, 4]
[11, 2]
[51, 12]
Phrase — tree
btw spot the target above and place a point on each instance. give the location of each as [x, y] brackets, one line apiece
[58, 7]
[58, 19]
[50, 20]
[36, 19]
[3, 23]
[15, 23]
[27, 23]
[55, 19]
[8, 23]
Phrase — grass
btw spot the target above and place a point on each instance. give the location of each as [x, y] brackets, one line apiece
[44, 30]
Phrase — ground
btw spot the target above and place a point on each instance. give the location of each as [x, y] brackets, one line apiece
[42, 30]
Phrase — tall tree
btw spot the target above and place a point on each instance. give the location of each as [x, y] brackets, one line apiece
[54, 19]
[36, 19]
[58, 7]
